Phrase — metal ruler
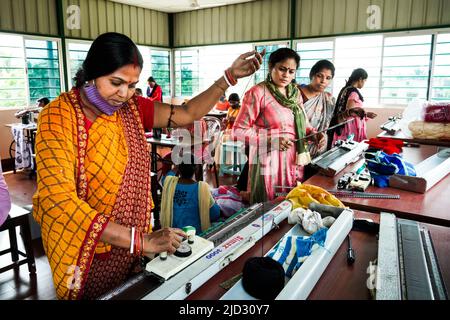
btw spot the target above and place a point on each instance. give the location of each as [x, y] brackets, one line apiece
[358, 194]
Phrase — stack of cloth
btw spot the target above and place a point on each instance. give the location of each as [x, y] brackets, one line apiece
[388, 146]
[382, 166]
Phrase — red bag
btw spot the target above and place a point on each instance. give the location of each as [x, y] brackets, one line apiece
[437, 112]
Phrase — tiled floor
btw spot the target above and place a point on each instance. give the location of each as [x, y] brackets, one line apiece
[18, 284]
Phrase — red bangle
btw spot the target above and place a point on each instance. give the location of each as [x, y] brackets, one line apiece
[136, 242]
[142, 244]
[230, 77]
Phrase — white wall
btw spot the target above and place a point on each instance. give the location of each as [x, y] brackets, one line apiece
[373, 125]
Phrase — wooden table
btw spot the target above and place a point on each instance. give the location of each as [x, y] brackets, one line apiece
[431, 207]
[401, 136]
[339, 280]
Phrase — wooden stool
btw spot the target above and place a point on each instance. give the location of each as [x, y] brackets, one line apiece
[18, 217]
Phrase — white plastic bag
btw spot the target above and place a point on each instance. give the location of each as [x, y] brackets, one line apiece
[413, 112]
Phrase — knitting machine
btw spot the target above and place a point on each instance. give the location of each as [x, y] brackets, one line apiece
[428, 173]
[407, 268]
[177, 276]
[339, 157]
[300, 285]
[392, 126]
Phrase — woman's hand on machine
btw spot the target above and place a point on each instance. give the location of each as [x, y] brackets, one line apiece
[166, 239]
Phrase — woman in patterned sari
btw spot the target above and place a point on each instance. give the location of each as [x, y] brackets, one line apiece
[319, 104]
[93, 199]
[272, 122]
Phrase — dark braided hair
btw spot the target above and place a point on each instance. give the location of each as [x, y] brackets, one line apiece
[356, 75]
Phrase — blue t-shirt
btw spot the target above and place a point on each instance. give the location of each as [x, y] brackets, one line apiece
[186, 210]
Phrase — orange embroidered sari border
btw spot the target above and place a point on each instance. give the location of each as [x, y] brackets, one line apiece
[87, 252]
[82, 138]
[133, 103]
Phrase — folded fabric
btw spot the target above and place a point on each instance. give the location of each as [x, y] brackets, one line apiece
[382, 166]
[292, 251]
[387, 145]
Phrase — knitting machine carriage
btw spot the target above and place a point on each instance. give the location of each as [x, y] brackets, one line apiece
[339, 157]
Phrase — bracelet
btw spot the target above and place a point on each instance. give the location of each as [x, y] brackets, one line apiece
[226, 78]
[138, 244]
[142, 242]
[230, 77]
[132, 240]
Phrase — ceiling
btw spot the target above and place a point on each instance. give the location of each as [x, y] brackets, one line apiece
[179, 5]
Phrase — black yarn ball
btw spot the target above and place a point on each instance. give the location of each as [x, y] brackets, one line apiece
[263, 278]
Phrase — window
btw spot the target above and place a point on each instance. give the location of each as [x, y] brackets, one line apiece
[359, 52]
[310, 53]
[406, 64]
[440, 89]
[13, 89]
[160, 69]
[43, 69]
[77, 53]
[186, 73]
[215, 59]
[261, 74]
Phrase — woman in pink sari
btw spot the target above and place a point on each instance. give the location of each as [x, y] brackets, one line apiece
[349, 105]
[273, 123]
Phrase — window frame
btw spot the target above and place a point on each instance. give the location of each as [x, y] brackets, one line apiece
[60, 61]
[433, 62]
[69, 41]
[25, 37]
[171, 53]
[196, 48]
[434, 32]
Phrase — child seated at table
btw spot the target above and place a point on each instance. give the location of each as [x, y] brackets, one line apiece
[186, 202]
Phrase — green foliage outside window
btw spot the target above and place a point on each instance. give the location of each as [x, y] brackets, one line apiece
[43, 69]
[160, 61]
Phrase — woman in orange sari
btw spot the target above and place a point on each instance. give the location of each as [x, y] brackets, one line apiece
[93, 198]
